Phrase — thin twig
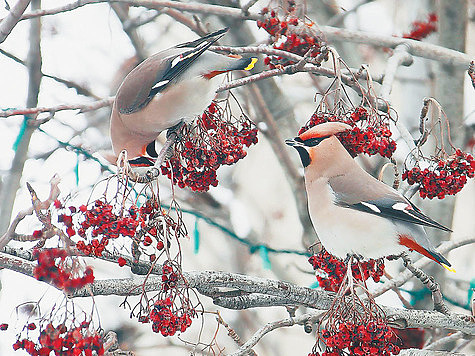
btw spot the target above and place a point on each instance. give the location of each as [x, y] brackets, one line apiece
[429, 281]
[52, 109]
[80, 89]
[259, 334]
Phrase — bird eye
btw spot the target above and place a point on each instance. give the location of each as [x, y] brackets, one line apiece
[314, 141]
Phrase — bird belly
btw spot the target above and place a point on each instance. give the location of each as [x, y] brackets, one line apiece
[182, 101]
[345, 231]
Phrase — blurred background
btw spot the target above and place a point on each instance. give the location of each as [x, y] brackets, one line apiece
[85, 54]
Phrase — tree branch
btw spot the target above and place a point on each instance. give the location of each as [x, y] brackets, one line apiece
[52, 109]
[9, 22]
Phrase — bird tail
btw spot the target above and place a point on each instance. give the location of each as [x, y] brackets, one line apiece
[433, 255]
[210, 37]
[243, 64]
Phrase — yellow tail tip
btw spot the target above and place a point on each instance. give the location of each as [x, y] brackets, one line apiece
[448, 268]
[251, 65]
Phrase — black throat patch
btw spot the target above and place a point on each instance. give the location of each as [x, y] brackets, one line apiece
[304, 156]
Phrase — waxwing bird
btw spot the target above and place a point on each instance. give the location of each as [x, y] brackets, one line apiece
[353, 212]
[165, 89]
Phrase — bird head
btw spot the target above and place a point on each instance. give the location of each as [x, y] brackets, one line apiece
[319, 141]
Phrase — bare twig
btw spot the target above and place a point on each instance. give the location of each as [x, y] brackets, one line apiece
[8, 23]
[416, 48]
[245, 8]
[52, 109]
[259, 334]
[151, 4]
[233, 335]
[80, 89]
[53, 195]
[429, 281]
[444, 341]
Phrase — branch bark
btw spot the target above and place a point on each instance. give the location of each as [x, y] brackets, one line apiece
[12, 183]
[10, 21]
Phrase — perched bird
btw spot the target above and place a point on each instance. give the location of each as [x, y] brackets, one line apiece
[165, 89]
[351, 211]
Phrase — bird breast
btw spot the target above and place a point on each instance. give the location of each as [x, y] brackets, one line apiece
[345, 231]
[182, 101]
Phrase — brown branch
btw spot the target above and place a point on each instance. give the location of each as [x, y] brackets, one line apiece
[9, 22]
[52, 109]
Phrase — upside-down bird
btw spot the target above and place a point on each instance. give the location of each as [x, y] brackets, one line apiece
[352, 212]
[165, 89]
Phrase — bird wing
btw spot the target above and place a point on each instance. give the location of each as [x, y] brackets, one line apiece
[157, 72]
[365, 193]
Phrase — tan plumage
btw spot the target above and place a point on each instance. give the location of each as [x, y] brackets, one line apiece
[351, 211]
[169, 87]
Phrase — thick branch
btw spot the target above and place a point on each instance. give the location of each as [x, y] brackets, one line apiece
[416, 48]
[9, 22]
[210, 283]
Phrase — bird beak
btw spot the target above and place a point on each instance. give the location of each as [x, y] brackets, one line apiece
[290, 141]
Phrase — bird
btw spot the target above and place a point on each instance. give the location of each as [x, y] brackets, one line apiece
[171, 86]
[353, 213]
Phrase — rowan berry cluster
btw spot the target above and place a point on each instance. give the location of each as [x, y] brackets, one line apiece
[289, 34]
[52, 268]
[332, 270]
[366, 338]
[369, 134]
[101, 222]
[76, 341]
[422, 29]
[166, 320]
[169, 277]
[446, 177]
[212, 142]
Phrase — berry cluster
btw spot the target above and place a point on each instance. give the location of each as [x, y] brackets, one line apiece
[102, 222]
[53, 269]
[422, 29]
[373, 337]
[446, 177]
[73, 342]
[204, 147]
[167, 321]
[169, 277]
[332, 270]
[286, 37]
[369, 134]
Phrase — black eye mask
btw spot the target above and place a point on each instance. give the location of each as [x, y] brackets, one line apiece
[311, 141]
